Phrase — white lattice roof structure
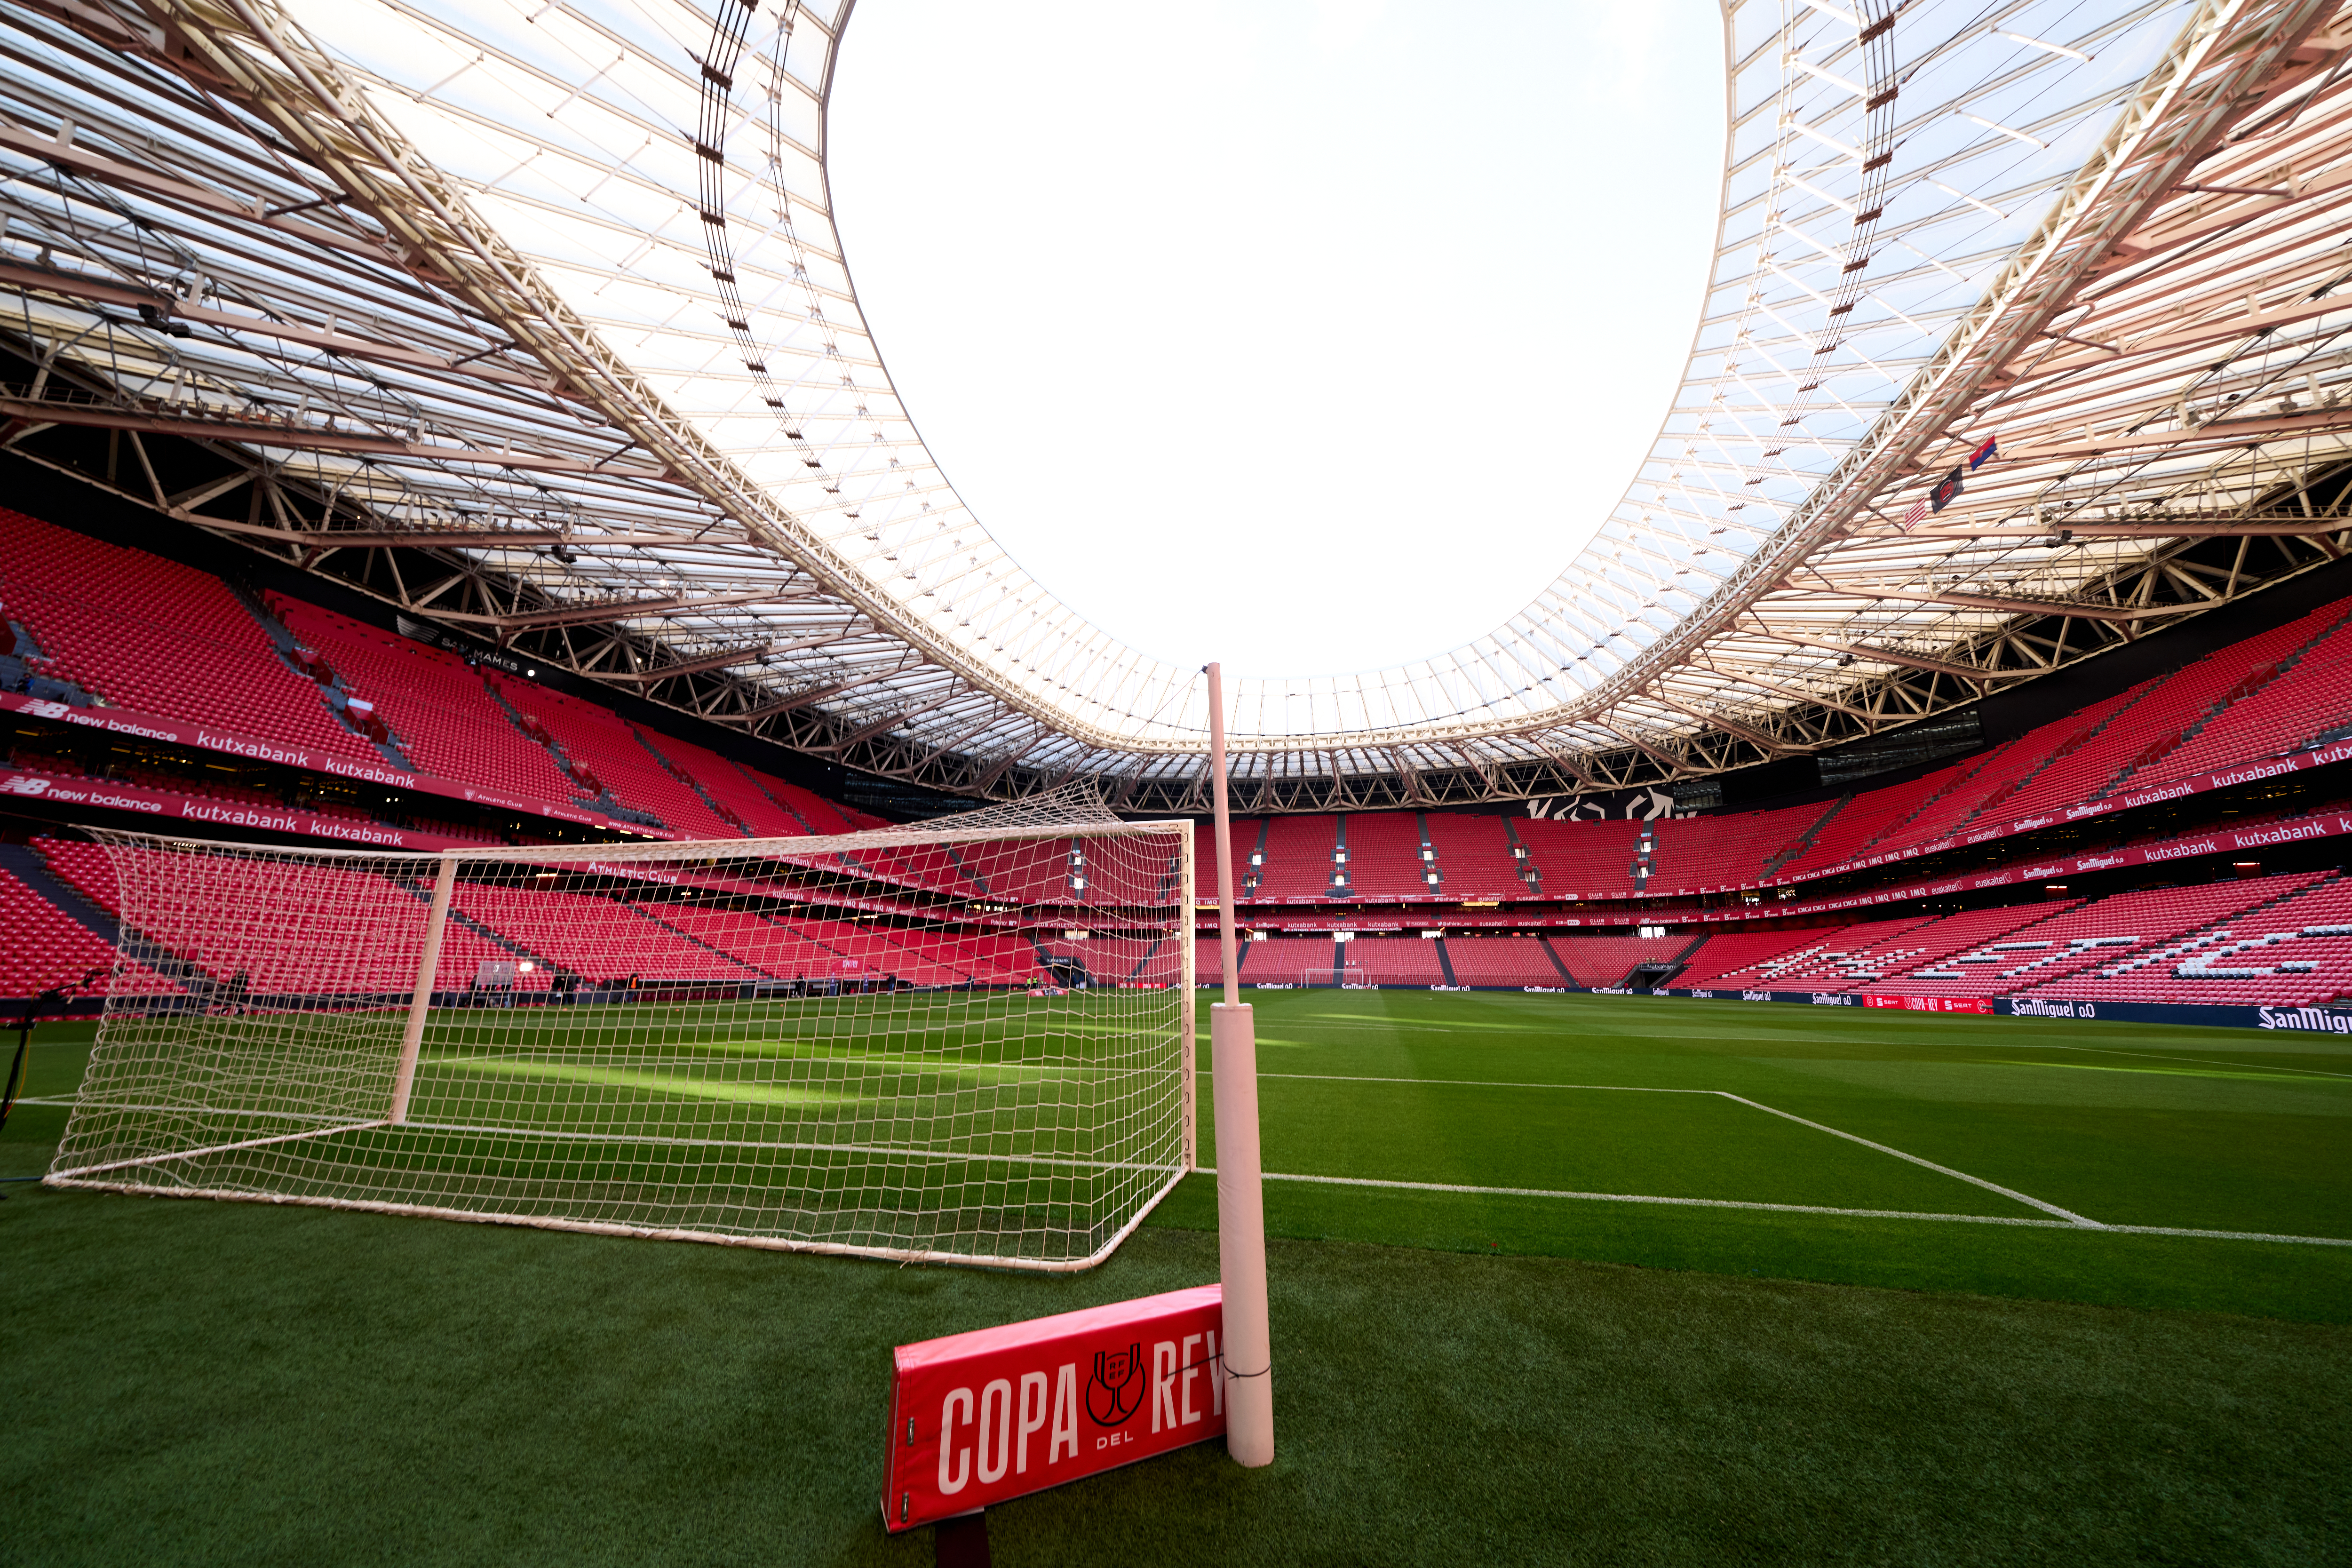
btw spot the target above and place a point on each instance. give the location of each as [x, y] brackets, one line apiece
[541, 302]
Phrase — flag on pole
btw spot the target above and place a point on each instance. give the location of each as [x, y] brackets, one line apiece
[1948, 491]
[1918, 510]
[1982, 455]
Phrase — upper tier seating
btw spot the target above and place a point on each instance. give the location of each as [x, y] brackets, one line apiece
[153, 636]
[1299, 863]
[436, 705]
[1727, 851]
[1243, 839]
[735, 789]
[822, 814]
[1961, 788]
[601, 742]
[2269, 712]
[1474, 859]
[1848, 829]
[1583, 859]
[1019, 871]
[2066, 763]
[1384, 857]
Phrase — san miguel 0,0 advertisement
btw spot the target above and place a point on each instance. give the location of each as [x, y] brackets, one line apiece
[982, 1417]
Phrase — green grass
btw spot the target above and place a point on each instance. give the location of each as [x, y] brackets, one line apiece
[2180, 1128]
[1460, 1375]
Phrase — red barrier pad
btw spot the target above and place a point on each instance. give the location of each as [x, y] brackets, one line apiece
[979, 1418]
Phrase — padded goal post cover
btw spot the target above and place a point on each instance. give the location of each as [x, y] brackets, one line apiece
[982, 1417]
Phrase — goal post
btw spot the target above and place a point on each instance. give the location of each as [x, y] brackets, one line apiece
[1248, 1368]
[967, 1040]
[420, 1000]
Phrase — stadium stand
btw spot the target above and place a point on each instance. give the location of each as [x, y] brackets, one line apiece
[147, 633]
[1583, 859]
[597, 938]
[2271, 707]
[1242, 834]
[1472, 857]
[1299, 861]
[2289, 951]
[1734, 959]
[1892, 948]
[734, 793]
[1608, 960]
[1384, 855]
[611, 760]
[1393, 960]
[437, 707]
[1940, 811]
[359, 927]
[1292, 960]
[1727, 851]
[1208, 960]
[1502, 961]
[1843, 957]
[1119, 961]
[2094, 935]
[121, 626]
[45, 947]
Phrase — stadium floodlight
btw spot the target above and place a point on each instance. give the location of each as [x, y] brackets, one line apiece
[876, 1043]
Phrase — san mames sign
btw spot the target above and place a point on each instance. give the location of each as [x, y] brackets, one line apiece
[982, 1417]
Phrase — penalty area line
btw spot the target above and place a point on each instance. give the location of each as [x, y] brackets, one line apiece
[2066, 1215]
[2013, 1220]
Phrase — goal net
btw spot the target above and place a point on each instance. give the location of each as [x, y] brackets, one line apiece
[968, 1040]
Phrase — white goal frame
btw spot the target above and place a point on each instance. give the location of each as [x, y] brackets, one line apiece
[139, 1171]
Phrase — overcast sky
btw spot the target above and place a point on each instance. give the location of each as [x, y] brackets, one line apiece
[1311, 335]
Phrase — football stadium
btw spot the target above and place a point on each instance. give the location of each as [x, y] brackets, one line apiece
[707, 995]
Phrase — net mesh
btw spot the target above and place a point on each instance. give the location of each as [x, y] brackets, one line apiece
[965, 1040]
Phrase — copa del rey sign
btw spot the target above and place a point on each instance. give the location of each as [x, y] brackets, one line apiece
[980, 1418]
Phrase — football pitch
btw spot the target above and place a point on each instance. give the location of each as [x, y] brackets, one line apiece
[1555, 1278]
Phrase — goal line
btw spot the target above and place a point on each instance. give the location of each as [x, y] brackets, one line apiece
[2015, 1220]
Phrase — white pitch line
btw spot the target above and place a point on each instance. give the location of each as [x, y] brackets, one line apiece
[1473, 1082]
[2068, 1215]
[2200, 1061]
[1799, 1208]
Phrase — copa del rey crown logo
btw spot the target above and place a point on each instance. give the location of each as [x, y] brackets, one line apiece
[1116, 1390]
[980, 1417]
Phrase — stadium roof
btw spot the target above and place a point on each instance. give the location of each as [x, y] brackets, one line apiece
[529, 316]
